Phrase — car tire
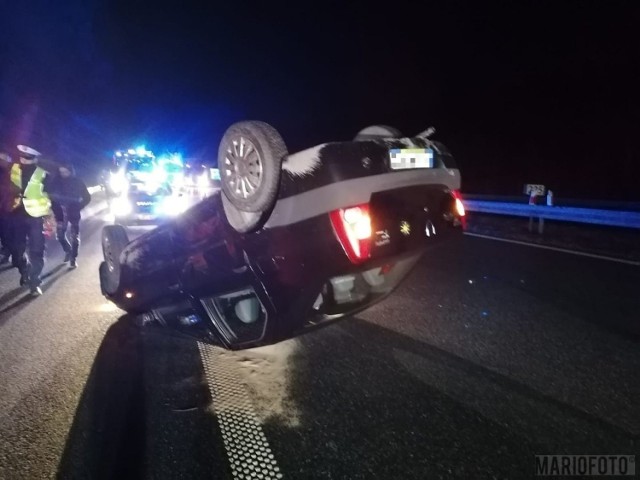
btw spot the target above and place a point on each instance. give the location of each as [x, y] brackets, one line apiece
[241, 221]
[104, 278]
[250, 162]
[114, 240]
[375, 132]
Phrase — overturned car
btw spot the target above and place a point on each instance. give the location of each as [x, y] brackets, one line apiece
[292, 241]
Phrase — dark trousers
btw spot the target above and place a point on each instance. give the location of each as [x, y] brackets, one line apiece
[4, 234]
[26, 236]
[68, 218]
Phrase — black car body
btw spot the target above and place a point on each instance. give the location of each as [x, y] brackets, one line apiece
[346, 228]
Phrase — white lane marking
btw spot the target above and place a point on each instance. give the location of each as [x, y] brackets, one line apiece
[556, 249]
[249, 453]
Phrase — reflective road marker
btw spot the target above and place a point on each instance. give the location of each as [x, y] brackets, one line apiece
[246, 445]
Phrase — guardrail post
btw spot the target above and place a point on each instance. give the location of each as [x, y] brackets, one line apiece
[532, 201]
[540, 225]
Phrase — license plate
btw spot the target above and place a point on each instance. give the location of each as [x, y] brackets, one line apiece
[146, 217]
[404, 158]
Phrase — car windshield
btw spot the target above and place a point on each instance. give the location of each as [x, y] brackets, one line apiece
[140, 164]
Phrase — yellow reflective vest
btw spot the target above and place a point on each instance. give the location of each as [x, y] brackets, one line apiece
[36, 202]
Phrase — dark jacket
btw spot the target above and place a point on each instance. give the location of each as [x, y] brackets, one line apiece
[70, 192]
[6, 187]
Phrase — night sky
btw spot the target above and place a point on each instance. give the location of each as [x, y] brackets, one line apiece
[521, 92]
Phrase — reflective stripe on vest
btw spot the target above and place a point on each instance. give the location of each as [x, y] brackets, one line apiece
[36, 201]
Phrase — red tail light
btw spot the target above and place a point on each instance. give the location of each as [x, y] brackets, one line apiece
[459, 208]
[353, 228]
[459, 205]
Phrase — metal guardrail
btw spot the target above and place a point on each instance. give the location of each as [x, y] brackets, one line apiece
[627, 206]
[612, 218]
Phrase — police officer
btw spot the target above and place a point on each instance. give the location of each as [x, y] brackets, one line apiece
[69, 195]
[29, 205]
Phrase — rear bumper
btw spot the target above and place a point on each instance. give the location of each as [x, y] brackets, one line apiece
[334, 195]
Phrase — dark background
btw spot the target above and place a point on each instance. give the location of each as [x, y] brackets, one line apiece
[521, 92]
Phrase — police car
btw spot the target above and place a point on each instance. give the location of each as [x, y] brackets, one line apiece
[147, 203]
[140, 188]
[200, 179]
[292, 242]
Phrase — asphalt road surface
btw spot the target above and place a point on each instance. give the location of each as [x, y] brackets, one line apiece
[489, 354]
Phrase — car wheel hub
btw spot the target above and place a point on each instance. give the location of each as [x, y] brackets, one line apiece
[243, 168]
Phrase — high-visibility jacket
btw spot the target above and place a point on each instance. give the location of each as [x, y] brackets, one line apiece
[35, 200]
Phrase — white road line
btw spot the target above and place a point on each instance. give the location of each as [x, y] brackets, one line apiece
[556, 249]
[247, 448]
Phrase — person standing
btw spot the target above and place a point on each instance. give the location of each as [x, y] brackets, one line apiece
[29, 204]
[69, 195]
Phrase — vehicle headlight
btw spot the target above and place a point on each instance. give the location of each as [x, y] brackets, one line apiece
[118, 183]
[178, 179]
[173, 206]
[120, 207]
[203, 181]
[158, 175]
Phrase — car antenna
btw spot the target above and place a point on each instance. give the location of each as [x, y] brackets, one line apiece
[427, 133]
